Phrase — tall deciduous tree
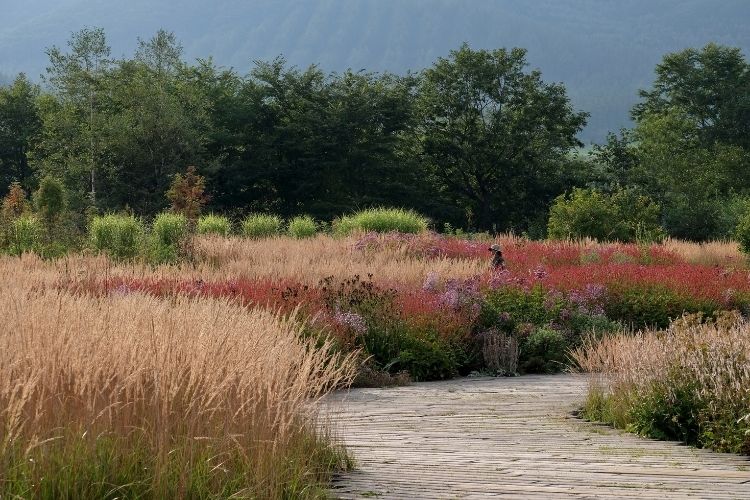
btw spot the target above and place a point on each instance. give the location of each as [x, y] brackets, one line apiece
[20, 125]
[711, 86]
[301, 141]
[157, 125]
[78, 76]
[494, 134]
[691, 182]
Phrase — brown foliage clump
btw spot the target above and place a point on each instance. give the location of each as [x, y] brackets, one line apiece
[15, 202]
[187, 194]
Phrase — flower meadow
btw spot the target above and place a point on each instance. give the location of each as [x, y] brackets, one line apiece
[195, 378]
[433, 324]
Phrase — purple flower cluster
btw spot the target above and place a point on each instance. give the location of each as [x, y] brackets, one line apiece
[355, 322]
[588, 300]
[552, 299]
[539, 273]
[503, 278]
[431, 282]
[462, 294]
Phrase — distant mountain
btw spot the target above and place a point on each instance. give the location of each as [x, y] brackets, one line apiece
[603, 50]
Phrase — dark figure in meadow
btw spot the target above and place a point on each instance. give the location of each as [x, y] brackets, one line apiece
[498, 262]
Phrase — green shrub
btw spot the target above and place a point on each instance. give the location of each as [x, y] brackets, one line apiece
[655, 306]
[622, 216]
[120, 236]
[261, 226]
[214, 224]
[742, 233]
[543, 352]
[381, 220]
[690, 383]
[397, 347]
[169, 232]
[507, 307]
[586, 325]
[25, 234]
[50, 199]
[302, 226]
[426, 360]
[672, 410]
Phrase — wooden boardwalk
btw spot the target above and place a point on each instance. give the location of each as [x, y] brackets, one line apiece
[512, 438]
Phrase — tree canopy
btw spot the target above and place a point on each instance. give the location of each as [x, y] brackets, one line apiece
[477, 140]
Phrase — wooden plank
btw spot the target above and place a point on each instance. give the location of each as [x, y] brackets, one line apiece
[511, 437]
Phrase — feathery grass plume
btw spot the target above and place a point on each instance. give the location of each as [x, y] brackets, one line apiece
[25, 234]
[214, 224]
[302, 226]
[261, 226]
[169, 233]
[129, 395]
[688, 383]
[310, 260]
[381, 220]
[118, 235]
[707, 253]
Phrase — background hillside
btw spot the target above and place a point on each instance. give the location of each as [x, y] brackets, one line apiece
[603, 50]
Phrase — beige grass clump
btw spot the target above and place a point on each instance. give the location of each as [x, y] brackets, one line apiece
[720, 253]
[311, 260]
[711, 359]
[203, 381]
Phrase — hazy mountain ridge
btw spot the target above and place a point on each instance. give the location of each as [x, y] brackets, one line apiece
[603, 50]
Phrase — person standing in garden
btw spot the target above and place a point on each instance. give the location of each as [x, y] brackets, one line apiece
[498, 262]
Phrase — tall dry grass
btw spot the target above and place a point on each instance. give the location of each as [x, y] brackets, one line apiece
[134, 396]
[710, 253]
[690, 382]
[309, 261]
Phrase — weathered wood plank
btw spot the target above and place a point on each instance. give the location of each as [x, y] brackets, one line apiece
[511, 438]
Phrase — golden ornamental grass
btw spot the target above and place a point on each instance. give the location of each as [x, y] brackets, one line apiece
[710, 360]
[200, 385]
[708, 253]
[309, 261]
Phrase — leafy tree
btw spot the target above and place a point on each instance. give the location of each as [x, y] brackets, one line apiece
[616, 161]
[130, 124]
[493, 135]
[622, 216]
[20, 125]
[77, 78]
[711, 86]
[690, 181]
[302, 141]
[742, 233]
[157, 125]
[15, 203]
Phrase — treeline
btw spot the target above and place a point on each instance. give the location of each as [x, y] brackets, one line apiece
[478, 140]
